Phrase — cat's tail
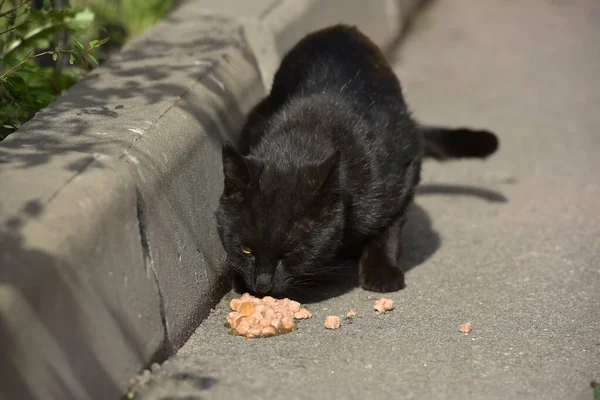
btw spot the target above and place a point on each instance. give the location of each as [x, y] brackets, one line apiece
[446, 143]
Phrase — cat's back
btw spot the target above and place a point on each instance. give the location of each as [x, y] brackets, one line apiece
[343, 73]
[339, 60]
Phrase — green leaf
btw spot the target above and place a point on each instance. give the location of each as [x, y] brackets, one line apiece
[72, 59]
[81, 21]
[10, 61]
[54, 56]
[91, 57]
[24, 71]
[47, 5]
[42, 93]
[101, 42]
[15, 79]
[38, 35]
[79, 45]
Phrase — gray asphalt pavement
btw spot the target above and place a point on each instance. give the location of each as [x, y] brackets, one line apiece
[511, 244]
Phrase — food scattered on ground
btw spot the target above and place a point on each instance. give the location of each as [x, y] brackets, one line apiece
[254, 317]
[351, 314]
[384, 305]
[466, 328]
[302, 314]
[332, 322]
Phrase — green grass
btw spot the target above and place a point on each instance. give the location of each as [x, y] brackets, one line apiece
[135, 16]
[26, 33]
[596, 388]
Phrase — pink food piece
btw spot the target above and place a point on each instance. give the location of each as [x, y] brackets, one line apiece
[276, 323]
[256, 315]
[260, 308]
[351, 314]
[294, 306]
[303, 313]
[268, 331]
[235, 304]
[287, 322]
[254, 331]
[242, 327]
[269, 313]
[246, 297]
[232, 318]
[384, 305]
[251, 320]
[332, 322]
[466, 328]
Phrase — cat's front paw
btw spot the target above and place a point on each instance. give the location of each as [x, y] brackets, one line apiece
[381, 278]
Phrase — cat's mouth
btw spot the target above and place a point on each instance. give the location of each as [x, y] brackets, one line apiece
[273, 289]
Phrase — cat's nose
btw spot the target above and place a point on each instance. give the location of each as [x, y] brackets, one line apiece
[264, 283]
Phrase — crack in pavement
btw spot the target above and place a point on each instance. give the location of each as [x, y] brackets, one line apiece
[151, 269]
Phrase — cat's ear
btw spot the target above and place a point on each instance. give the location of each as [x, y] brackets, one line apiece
[329, 171]
[235, 169]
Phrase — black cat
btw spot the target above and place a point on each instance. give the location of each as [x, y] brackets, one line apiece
[326, 168]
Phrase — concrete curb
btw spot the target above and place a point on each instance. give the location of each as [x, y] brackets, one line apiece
[109, 257]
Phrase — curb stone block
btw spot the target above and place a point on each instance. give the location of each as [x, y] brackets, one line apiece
[109, 256]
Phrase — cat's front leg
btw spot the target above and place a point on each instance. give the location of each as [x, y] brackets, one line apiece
[380, 258]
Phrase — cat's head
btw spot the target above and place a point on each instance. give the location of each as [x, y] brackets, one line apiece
[280, 224]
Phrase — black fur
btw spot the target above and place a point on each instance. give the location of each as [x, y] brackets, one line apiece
[326, 168]
[445, 143]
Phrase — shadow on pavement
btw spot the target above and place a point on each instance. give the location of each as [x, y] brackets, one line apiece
[188, 383]
[460, 190]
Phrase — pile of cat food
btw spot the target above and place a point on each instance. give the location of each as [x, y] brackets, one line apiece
[253, 317]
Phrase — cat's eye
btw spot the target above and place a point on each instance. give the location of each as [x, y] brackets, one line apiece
[288, 254]
[246, 250]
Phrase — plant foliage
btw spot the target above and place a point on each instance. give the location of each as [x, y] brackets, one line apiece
[40, 56]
